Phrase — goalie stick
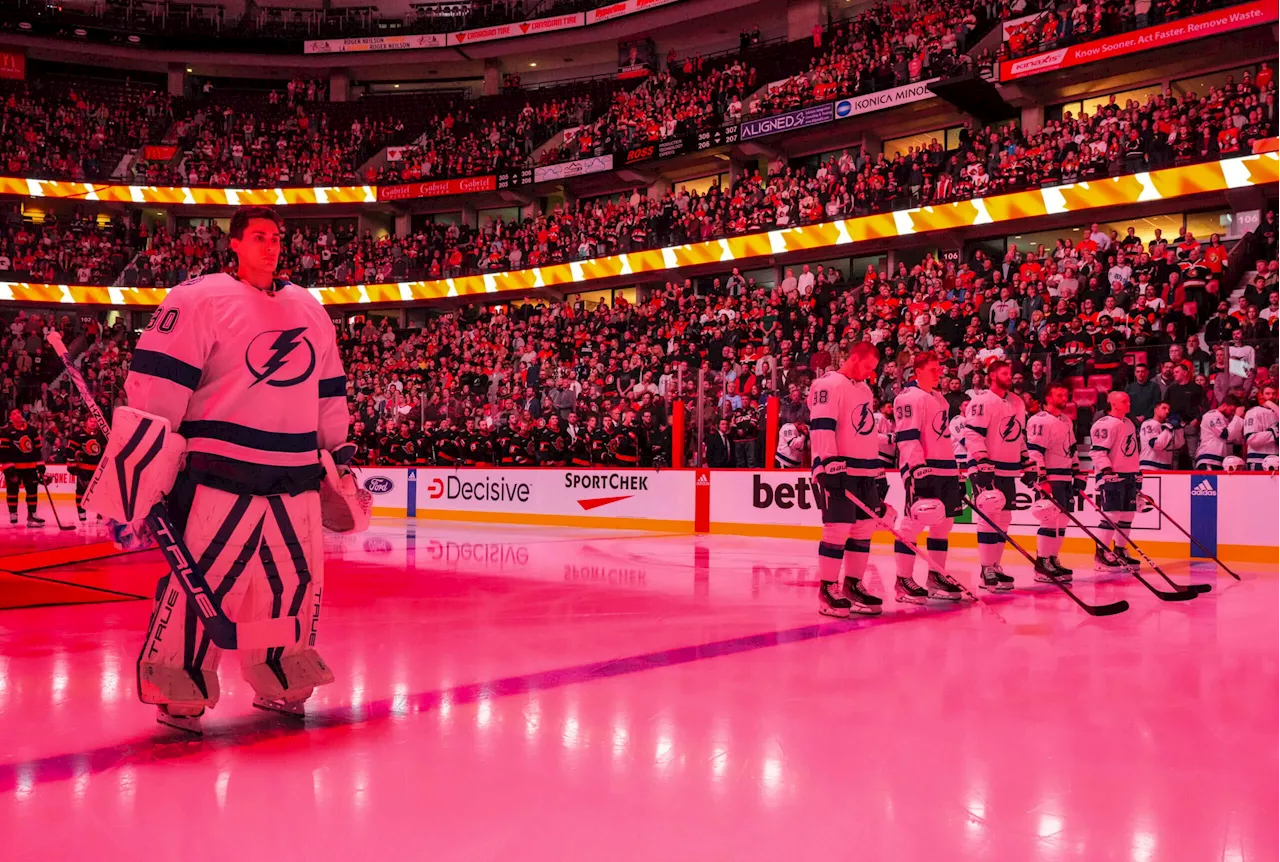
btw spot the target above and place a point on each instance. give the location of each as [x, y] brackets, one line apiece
[224, 633]
[1093, 610]
[1181, 593]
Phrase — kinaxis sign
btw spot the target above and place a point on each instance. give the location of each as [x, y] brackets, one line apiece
[1229, 513]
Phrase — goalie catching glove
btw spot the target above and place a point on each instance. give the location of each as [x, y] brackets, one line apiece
[345, 507]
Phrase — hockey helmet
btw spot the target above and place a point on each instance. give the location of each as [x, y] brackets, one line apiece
[990, 501]
[1232, 464]
[1045, 512]
[1271, 463]
[928, 511]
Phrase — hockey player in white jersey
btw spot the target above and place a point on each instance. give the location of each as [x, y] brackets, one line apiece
[846, 462]
[888, 450]
[1221, 429]
[1114, 446]
[927, 462]
[246, 369]
[1051, 446]
[995, 440]
[1159, 439]
[1260, 431]
[792, 438]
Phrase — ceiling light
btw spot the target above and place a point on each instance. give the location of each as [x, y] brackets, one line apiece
[189, 69]
[532, 64]
[396, 86]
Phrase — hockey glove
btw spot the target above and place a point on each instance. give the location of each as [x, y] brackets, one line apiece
[42, 475]
[1079, 483]
[1106, 476]
[345, 507]
[828, 480]
[1031, 477]
[983, 476]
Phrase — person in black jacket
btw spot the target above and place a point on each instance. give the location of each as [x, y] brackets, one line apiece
[719, 447]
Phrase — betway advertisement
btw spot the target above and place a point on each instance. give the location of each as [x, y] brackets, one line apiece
[438, 188]
[1150, 38]
[579, 168]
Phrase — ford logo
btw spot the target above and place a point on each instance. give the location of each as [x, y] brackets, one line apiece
[378, 485]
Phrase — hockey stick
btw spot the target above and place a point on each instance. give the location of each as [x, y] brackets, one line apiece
[224, 633]
[1187, 533]
[1181, 593]
[915, 549]
[1093, 610]
[1194, 589]
[54, 508]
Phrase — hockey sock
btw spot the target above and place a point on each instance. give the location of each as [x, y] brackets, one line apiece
[937, 550]
[830, 558]
[989, 547]
[1104, 533]
[1046, 537]
[904, 559]
[1122, 530]
[857, 553]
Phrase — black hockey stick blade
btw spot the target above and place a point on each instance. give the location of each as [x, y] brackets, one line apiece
[1167, 596]
[1101, 610]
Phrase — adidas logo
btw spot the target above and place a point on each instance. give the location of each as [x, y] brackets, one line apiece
[704, 480]
[1204, 489]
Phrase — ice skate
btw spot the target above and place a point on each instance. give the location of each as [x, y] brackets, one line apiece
[184, 718]
[80, 513]
[1057, 564]
[34, 521]
[1105, 559]
[1126, 559]
[942, 587]
[830, 602]
[860, 600]
[13, 520]
[294, 708]
[907, 590]
[1048, 573]
[995, 580]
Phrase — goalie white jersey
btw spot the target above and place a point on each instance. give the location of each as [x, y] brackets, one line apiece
[1218, 435]
[1051, 445]
[842, 425]
[243, 374]
[957, 442]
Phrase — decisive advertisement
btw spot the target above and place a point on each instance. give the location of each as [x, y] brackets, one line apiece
[815, 115]
[1186, 30]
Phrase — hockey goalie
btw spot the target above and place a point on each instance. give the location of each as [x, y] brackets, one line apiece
[237, 420]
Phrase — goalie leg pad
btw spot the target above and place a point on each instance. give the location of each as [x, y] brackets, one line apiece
[140, 464]
[176, 685]
[288, 677]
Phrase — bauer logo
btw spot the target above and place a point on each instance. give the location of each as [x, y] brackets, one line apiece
[378, 485]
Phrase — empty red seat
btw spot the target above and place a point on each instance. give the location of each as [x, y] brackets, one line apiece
[1100, 382]
[1074, 382]
[1085, 396]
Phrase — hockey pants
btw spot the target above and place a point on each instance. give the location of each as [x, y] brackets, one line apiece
[25, 478]
[262, 558]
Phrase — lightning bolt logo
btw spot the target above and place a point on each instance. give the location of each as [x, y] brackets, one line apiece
[283, 342]
[1011, 430]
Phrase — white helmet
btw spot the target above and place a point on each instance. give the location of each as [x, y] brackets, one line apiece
[1232, 464]
[928, 511]
[1271, 463]
[990, 501]
[1045, 512]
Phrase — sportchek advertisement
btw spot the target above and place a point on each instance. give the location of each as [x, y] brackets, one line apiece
[437, 188]
[1173, 33]
[885, 99]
